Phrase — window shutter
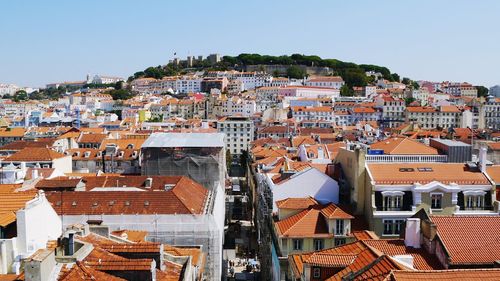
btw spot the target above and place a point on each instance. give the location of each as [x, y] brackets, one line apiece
[378, 200]
[487, 199]
[460, 200]
[407, 201]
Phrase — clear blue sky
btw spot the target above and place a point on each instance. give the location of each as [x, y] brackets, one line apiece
[51, 41]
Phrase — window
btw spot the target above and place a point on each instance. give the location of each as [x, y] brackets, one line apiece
[317, 272]
[318, 244]
[474, 202]
[393, 203]
[297, 244]
[339, 227]
[393, 227]
[339, 241]
[436, 201]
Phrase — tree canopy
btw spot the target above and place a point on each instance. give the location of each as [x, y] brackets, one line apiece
[482, 91]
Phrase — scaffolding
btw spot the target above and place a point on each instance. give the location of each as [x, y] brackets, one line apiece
[200, 156]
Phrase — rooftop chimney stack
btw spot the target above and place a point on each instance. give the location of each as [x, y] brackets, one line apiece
[412, 233]
[482, 159]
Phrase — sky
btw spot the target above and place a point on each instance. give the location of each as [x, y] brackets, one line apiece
[53, 41]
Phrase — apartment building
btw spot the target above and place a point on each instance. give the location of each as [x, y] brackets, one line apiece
[306, 113]
[297, 215]
[442, 117]
[238, 131]
[396, 191]
[393, 110]
[335, 82]
[490, 111]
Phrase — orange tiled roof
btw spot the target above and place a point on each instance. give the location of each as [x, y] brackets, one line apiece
[405, 146]
[490, 274]
[378, 270]
[12, 202]
[470, 239]
[494, 173]
[296, 203]
[35, 154]
[91, 138]
[131, 235]
[196, 253]
[310, 222]
[183, 199]
[7, 218]
[392, 247]
[79, 271]
[495, 146]
[12, 132]
[393, 173]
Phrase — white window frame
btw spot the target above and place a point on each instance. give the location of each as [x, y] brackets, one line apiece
[316, 272]
[440, 201]
[300, 242]
[393, 224]
[321, 243]
[339, 227]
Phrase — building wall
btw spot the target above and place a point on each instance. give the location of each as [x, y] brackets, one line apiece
[36, 224]
[63, 164]
[448, 207]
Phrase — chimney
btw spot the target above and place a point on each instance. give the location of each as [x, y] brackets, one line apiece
[34, 174]
[482, 159]
[321, 154]
[412, 233]
[71, 244]
[148, 183]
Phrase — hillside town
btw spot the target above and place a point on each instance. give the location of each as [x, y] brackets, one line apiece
[194, 171]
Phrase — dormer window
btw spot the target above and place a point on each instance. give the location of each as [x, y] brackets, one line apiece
[87, 154]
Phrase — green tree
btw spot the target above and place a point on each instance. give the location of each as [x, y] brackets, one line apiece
[244, 159]
[346, 91]
[415, 85]
[395, 77]
[295, 72]
[407, 81]
[20, 95]
[121, 94]
[409, 100]
[229, 159]
[482, 91]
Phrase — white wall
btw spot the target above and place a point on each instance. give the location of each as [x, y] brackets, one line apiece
[311, 182]
[37, 223]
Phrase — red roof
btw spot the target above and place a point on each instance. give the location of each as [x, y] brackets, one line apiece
[470, 239]
[492, 274]
[189, 198]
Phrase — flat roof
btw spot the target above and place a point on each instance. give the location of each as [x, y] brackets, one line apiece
[451, 142]
[184, 140]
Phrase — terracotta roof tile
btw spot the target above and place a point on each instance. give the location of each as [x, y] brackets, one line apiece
[403, 146]
[470, 239]
[446, 275]
[398, 173]
[181, 199]
[80, 271]
[296, 203]
[131, 235]
[393, 247]
[35, 154]
[310, 222]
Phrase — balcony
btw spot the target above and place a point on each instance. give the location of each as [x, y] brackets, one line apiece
[407, 158]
